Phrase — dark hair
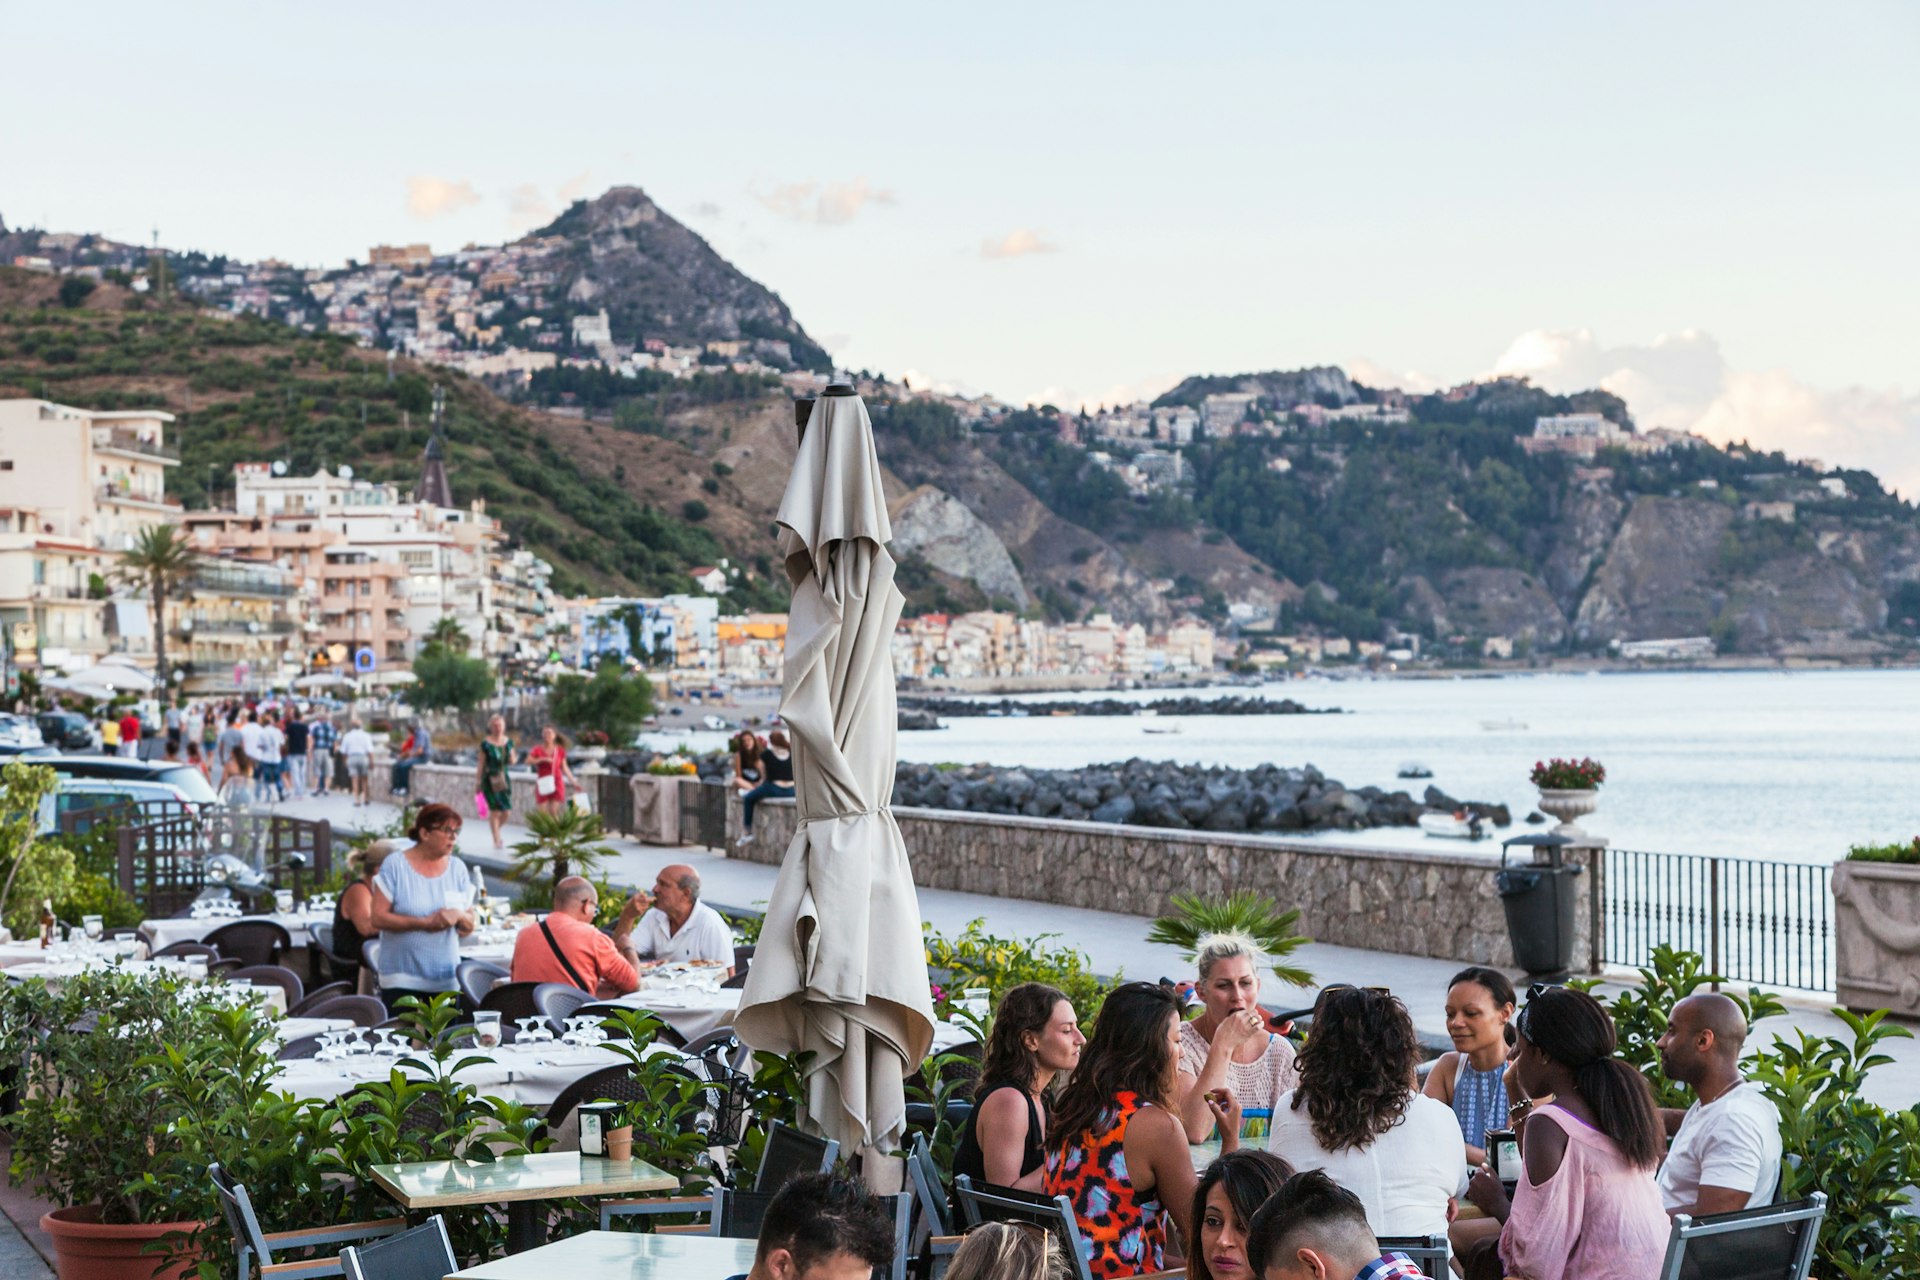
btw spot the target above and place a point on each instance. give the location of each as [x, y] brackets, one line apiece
[1492, 979]
[1573, 1029]
[746, 744]
[1129, 1053]
[1304, 1202]
[1251, 1178]
[1027, 1007]
[432, 817]
[1357, 1070]
[819, 1215]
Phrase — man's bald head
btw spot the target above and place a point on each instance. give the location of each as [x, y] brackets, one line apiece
[675, 891]
[1703, 1039]
[1711, 1011]
[571, 892]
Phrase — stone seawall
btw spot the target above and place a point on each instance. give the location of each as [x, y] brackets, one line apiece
[1412, 902]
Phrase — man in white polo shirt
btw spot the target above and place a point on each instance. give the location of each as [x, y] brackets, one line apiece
[1726, 1147]
[678, 926]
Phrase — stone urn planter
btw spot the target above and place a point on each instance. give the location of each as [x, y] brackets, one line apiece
[1567, 805]
[1876, 934]
[589, 755]
[86, 1248]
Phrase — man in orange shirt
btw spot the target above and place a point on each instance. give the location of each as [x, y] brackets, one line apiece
[565, 947]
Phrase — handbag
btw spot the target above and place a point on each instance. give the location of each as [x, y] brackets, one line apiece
[544, 785]
[480, 804]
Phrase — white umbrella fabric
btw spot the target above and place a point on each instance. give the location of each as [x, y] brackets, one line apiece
[111, 676]
[841, 969]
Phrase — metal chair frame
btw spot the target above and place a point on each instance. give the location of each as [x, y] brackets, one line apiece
[476, 978]
[790, 1154]
[1055, 1213]
[933, 1236]
[276, 975]
[1802, 1216]
[252, 1245]
[364, 1262]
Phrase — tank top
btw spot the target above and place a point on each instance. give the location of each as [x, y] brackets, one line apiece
[1122, 1233]
[1479, 1100]
[970, 1159]
[778, 770]
[347, 938]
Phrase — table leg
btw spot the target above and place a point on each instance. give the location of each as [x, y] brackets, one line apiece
[524, 1227]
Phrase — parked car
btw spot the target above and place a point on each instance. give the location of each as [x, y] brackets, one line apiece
[19, 731]
[68, 730]
[103, 782]
[21, 750]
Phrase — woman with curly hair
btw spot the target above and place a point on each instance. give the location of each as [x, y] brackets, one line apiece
[1116, 1148]
[1231, 1189]
[1035, 1039]
[1588, 1207]
[1358, 1114]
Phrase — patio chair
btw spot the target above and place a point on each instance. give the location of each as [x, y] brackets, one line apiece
[298, 1047]
[251, 941]
[187, 951]
[512, 1001]
[272, 975]
[1428, 1252]
[791, 1154]
[328, 963]
[223, 968]
[476, 978]
[366, 1011]
[933, 1236]
[318, 995]
[1001, 1204]
[423, 1253]
[1773, 1242]
[556, 1002]
[253, 1247]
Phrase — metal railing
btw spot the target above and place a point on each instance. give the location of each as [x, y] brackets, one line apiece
[162, 864]
[1752, 919]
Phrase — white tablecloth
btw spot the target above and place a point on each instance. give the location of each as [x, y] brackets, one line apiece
[534, 1073]
[691, 1011]
[56, 970]
[290, 1029]
[167, 932]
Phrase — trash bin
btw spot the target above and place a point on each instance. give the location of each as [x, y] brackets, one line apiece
[1539, 899]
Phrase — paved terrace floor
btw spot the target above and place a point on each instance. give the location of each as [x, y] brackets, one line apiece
[1114, 942]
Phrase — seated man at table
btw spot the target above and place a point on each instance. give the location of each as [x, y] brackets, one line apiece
[678, 926]
[823, 1228]
[1312, 1228]
[565, 947]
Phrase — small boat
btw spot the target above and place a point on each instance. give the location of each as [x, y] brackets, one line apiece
[1502, 726]
[1454, 826]
[1414, 769]
[1165, 728]
[713, 722]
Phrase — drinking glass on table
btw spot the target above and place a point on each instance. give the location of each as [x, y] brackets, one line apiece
[533, 1030]
[93, 926]
[283, 901]
[196, 968]
[486, 1028]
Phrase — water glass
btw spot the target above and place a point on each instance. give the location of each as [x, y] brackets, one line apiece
[283, 901]
[196, 968]
[977, 1001]
[486, 1028]
[93, 925]
[534, 1030]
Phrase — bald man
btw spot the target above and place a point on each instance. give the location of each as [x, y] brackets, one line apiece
[1726, 1147]
[565, 947]
[678, 926]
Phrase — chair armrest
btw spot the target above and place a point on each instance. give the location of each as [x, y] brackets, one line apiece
[686, 1229]
[311, 1267]
[345, 1233]
[663, 1204]
[943, 1245]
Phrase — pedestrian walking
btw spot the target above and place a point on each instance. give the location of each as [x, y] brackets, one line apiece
[320, 740]
[295, 756]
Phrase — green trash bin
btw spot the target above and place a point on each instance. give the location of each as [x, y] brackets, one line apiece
[1539, 899]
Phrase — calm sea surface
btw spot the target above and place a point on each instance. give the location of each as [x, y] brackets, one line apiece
[1749, 764]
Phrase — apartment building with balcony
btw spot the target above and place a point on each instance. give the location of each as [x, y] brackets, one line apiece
[237, 625]
[77, 487]
[362, 604]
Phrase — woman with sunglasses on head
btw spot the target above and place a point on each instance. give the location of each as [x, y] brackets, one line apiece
[1229, 1046]
[1472, 1078]
[1116, 1148]
[1035, 1039]
[1358, 1114]
[1008, 1251]
[1586, 1206]
[1229, 1192]
[422, 904]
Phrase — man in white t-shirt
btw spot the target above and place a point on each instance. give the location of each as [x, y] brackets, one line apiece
[1726, 1147]
[677, 925]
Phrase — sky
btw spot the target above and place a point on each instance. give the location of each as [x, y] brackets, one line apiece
[1709, 208]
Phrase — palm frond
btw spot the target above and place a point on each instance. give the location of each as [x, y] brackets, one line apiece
[1242, 911]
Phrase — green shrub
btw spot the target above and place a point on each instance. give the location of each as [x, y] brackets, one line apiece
[979, 959]
[613, 700]
[1892, 852]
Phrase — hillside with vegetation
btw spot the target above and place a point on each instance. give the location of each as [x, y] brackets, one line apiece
[612, 511]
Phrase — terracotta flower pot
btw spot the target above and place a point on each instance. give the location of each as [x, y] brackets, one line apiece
[619, 1145]
[86, 1248]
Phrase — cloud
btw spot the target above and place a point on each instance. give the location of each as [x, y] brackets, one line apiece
[1683, 380]
[1366, 371]
[1138, 391]
[431, 197]
[575, 187]
[705, 209]
[829, 205]
[1017, 243]
[528, 207]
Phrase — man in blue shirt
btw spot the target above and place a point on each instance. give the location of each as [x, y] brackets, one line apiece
[320, 752]
[1315, 1229]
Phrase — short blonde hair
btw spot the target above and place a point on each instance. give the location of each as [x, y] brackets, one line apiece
[366, 862]
[1212, 948]
[1002, 1251]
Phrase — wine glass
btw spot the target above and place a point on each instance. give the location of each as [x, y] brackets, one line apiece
[533, 1030]
[94, 926]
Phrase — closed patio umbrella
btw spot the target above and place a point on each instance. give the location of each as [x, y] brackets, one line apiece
[841, 969]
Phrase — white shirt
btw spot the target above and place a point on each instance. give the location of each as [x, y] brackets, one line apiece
[704, 936]
[1404, 1178]
[1733, 1141]
[356, 742]
[253, 740]
[271, 742]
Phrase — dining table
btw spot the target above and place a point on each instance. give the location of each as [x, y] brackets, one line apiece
[169, 930]
[533, 1073]
[519, 1182]
[626, 1254]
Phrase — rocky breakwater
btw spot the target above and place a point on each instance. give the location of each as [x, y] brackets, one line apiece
[1156, 793]
[923, 713]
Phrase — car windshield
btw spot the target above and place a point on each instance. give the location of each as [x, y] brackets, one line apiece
[191, 782]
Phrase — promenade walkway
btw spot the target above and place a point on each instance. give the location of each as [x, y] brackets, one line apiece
[1114, 942]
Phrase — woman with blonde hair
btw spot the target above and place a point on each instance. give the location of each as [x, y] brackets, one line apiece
[1008, 1251]
[353, 910]
[1229, 1045]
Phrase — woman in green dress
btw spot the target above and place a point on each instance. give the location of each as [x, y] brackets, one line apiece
[496, 754]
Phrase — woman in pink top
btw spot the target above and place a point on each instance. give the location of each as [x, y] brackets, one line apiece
[1586, 1207]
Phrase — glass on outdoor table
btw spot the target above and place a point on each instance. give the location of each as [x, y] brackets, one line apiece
[92, 926]
[533, 1030]
[283, 901]
[584, 1031]
[196, 967]
[486, 1028]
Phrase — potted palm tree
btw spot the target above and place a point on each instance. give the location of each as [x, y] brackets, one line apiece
[1257, 916]
[570, 842]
